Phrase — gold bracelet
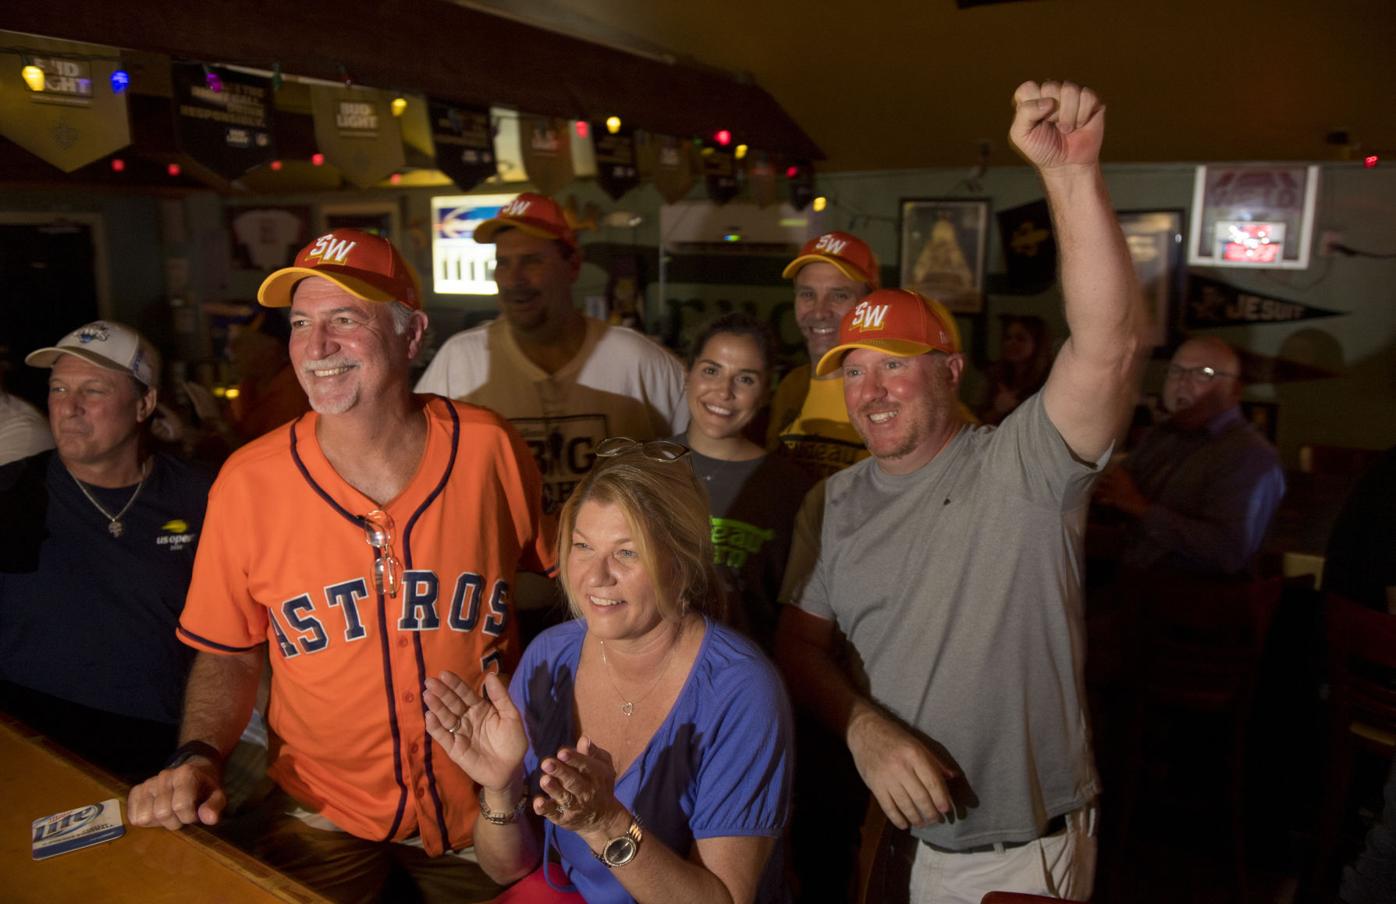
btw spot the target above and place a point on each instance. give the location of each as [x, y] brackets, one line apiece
[504, 818]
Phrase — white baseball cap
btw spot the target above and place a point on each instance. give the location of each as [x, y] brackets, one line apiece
[114, 346]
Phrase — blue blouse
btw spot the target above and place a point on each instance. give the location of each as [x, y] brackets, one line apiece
[719, 766]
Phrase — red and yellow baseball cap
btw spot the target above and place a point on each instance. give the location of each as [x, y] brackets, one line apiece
[536, 215]
[364, 265]
[850, 254]
[898, 322]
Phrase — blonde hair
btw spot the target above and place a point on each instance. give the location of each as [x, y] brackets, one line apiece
[667, 512]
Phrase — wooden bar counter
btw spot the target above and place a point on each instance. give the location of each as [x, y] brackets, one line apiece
[146, 865]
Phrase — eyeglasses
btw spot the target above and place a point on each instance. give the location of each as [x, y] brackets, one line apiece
[1203, 374]
[655, 450]
[378, 532]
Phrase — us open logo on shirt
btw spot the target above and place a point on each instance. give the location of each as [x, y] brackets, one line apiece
[330, 250]
[831, 245]
[175, 535]
[869, 317]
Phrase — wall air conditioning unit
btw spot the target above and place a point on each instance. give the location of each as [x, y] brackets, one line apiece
[702, 227]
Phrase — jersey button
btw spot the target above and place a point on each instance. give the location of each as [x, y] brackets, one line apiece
[407, 697]
[403, 641]
[421, 793]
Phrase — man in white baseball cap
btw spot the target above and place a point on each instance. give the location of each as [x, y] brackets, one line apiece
[96, 561]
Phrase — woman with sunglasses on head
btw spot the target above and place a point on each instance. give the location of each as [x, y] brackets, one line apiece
[642, 752]
[752, 496]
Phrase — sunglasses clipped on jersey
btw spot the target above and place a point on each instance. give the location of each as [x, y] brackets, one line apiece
[378, 525]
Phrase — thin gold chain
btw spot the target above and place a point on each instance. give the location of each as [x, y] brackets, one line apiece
[628, 706]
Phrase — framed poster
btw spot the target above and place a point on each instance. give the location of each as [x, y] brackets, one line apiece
[943, 244]
[1259, 216]
[267, 237]
[1155, 240]
[375, 219]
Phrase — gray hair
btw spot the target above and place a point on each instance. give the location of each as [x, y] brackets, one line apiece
[402, 316]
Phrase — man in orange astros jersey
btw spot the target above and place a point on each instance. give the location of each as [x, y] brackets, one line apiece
[370, 543]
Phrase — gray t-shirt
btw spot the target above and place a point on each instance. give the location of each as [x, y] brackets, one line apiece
[959, 587]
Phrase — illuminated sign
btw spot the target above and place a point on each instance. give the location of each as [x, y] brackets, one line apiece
[459, 264]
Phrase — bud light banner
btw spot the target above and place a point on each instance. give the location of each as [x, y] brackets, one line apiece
[357, 132]
[546, 148]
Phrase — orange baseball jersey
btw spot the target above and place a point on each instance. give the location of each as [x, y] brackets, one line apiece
[286, 560]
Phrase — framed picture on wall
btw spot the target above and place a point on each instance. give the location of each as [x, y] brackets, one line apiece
[377, 219]
[267, 237]
[943, 245]
[1259, 216]
[1155, 239]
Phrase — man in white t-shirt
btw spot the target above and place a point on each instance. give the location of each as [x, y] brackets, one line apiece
[566, 381]
[23, 430]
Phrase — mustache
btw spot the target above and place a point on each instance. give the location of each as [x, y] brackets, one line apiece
[328, 363]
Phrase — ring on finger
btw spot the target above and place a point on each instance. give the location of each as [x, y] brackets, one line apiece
[459, 722]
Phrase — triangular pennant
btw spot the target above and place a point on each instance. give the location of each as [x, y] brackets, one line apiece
[761, 178]
[547, 153]
[617, 171]
[801, 179]
[357, 132]
[1211, 302]
[222, 118]
[75, 118]
[1029, 248]
[464, 142]
[673, 167]
[720, 174]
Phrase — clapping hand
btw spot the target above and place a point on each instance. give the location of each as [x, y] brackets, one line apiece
[482, 733]
[1057, 124]
[579, 790]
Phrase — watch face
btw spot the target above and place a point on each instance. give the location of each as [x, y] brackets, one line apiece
[619, 851]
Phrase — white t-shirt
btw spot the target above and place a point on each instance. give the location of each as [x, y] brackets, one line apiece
[23, 430]
[618, 384]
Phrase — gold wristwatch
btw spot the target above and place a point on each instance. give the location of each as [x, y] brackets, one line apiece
[622, 849]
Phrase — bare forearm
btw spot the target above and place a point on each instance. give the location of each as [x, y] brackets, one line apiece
[510, 851]
[658, 875]
[817, 683]
[218, 697]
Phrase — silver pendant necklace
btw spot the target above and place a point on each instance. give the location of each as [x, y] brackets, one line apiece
[628, 706]
[114, 525]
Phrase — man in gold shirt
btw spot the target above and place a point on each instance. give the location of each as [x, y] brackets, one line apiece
[832, 273]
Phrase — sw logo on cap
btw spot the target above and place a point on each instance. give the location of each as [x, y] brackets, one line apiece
[515, 208]
[828, 243]
[868, 317]
[329, 250]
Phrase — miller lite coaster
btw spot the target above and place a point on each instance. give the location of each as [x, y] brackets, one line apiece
[75, 829]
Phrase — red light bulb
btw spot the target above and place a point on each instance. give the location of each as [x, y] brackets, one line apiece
[276, 166]
[317, 159]
[173, 169]
[791, 172]
[1370, 161]
[118, 165]
[583, 128]
[723, 137]
[395, 178]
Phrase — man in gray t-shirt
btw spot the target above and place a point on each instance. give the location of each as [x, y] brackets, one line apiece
[952, 560]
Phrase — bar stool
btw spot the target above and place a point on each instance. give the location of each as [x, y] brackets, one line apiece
[1196, 656]
[1362, 714]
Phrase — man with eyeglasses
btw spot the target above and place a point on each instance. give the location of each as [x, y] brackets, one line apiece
[363, 547]
[1203, 486]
